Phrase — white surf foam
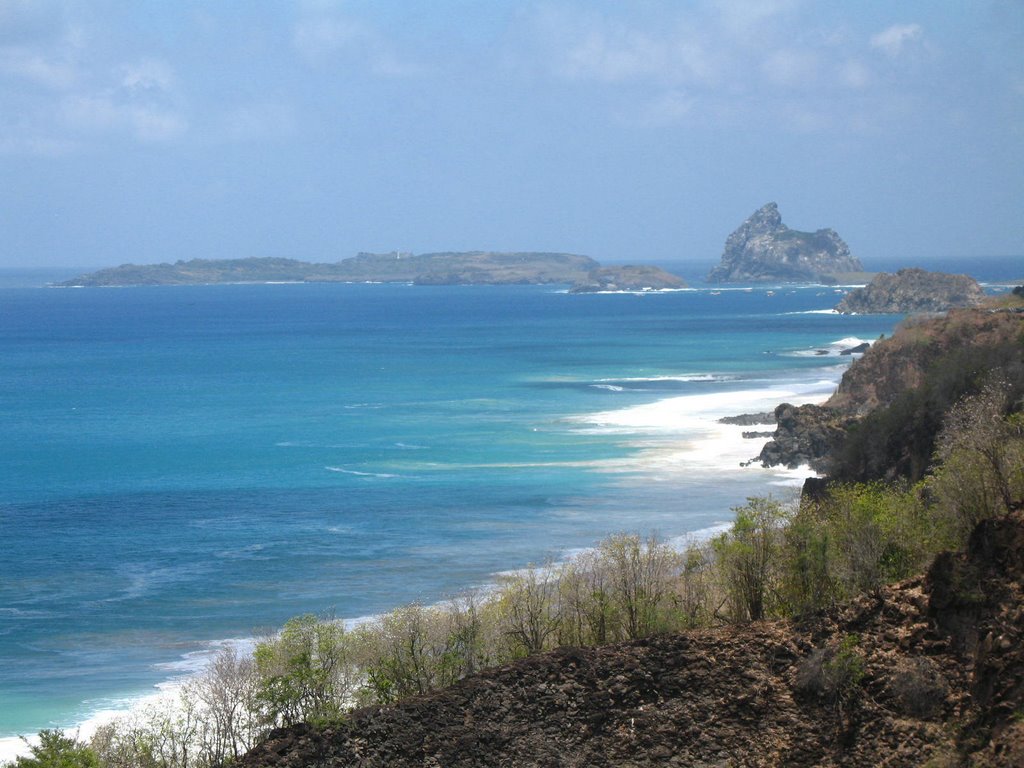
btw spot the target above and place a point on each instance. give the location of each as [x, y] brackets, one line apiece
[833, 349]
[358, 473]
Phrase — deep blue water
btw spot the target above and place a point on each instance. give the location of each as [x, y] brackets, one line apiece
[185, 464]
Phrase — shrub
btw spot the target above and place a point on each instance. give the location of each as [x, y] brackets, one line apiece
[55, 750]
[747, 557]
[918, 688]
[305, 673]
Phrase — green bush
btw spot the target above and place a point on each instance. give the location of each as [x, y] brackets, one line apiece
[55, 750]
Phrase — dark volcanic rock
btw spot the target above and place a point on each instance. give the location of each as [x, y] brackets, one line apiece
[628, 278]
[765, 249]
[912, 290]
[805, 434]
[943, 661]
[749, 419]
[858, 350]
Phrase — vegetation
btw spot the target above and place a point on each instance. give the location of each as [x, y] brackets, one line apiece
[56, 750]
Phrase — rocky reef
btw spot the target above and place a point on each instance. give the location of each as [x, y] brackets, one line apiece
[912, 290]
[941, 682]
[764, 249]
[628, 278]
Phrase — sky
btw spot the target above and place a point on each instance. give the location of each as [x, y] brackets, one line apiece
[630, 130]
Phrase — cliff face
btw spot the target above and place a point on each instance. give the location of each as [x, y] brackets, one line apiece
[765, 249]
[943, 672]
[913, 290]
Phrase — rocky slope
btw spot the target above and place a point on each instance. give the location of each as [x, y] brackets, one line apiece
[628, 278]
[912, 290]
[765, 249]
[943, 680]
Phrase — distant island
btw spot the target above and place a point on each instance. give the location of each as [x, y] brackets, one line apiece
[447, 268]
[763, 249]
[913, 290]
[628, 278]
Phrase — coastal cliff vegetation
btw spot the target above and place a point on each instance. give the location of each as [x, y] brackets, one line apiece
[924, 469]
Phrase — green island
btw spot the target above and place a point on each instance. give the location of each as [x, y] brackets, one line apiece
[876, 620]
[460, 268]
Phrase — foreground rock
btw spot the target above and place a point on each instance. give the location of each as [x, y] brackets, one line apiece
[628, 278]
[765, 249]
[912, 290]
[943, 681]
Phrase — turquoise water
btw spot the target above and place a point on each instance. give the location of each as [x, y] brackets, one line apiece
[183, 465]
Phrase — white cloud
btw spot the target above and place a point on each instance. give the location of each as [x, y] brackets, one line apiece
[259, 121]
[791, 68]
[745, 19]
[147, 76]
[666, 109]
[854, 74]
[104, 114]
[892, 41]
[48, 71]
[143, 102]
[321, 39]
[612, 52]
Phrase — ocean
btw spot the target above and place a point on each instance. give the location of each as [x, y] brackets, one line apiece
[186, 465]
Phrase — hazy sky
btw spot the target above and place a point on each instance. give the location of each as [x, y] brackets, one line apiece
[151, 130]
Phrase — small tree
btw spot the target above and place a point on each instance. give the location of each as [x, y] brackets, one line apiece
[412, 650]
[642, 575]
[807, 579]
[529, 609]
[56, 750]
[304, 673]
[748, 558]
[228, 691]
[980, 451]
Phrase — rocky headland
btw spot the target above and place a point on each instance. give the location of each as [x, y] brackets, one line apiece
[911, 291]
[764, 249]
[939, 681]
[628, 278]
[903, 386]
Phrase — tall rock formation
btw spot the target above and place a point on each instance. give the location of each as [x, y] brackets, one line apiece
[764, 249]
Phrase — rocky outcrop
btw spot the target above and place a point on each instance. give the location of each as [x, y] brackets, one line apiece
[912, 290]
[749, 419]
[628, 278]
[942, 684]
[805, 435]
[765, 249]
